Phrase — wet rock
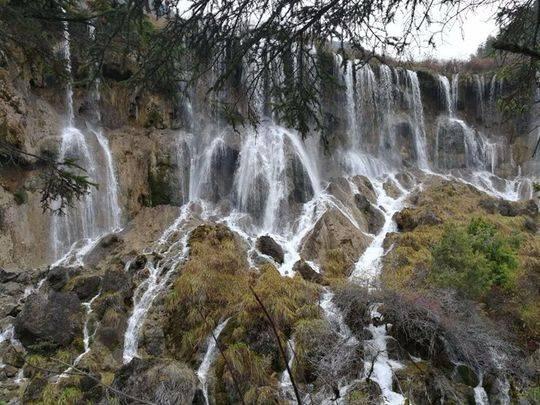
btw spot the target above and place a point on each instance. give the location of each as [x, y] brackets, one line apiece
[451, 153]
[111, 328]
[14, 356]
[497, 389]
[301, 190]
[391, 189]
[58, 278]
[306, 271]
[49, 322]
[374, 216]
[406, 180]
[86, 287]
[442, 391]
[103, 249]
[116, 280]
[199, 399]
[394, 349]
[138, 263]
[6, 276]
[157, 380]
[466, 375]
[365, 188]
[268, 246]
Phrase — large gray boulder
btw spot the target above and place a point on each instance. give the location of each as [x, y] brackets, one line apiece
[49, 321]
[268, 246]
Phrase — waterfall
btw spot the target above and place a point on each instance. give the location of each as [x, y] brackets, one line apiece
[387, 143]
[98, 211]
[455, 91]
[444, 88]
[417, 111]
[209, 358]
[366, 269]
[351, 106]
[260, 179]
[86, 337]
[479, 89]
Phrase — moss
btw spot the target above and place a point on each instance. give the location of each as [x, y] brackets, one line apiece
[202, 295]
[214, 284]
[154, 119]
[311, 337]
[160, 190]
[20, 196]
[251, 371]
[335, 264]
[53, 394]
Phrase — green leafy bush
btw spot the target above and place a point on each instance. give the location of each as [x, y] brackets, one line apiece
[474, 258]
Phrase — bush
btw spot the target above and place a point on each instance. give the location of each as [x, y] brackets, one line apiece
[472, 259]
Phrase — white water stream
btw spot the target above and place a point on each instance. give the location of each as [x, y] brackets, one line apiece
[209, 358]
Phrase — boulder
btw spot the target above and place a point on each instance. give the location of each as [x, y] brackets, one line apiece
[103, 248]
[391, 189]
[410, 218]
[57, 278]
[160, 381]
[49, 322]
[373, 215]
[116, 280]
[138, 263]
[86, 287]
[268, 246]
[6, 276]
[334, 232]
[306, 271]
[365, 188]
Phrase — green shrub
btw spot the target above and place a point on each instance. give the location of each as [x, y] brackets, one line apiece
[472, 259]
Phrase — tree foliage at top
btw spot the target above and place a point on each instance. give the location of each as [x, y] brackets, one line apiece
[254, 49]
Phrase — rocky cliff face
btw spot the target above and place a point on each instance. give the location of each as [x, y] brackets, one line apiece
[218, 226]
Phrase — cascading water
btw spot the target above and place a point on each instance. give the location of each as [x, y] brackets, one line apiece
[455, 92]
[97, 212]
[173, 255]
[368, 266]
[417, 116]
[377, 366]
[448, 102]
[259, 195]
[209, 358]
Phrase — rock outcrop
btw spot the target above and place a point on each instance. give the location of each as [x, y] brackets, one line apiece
[49, 321]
